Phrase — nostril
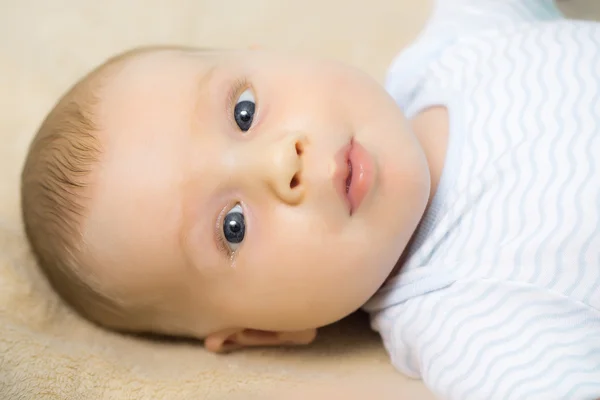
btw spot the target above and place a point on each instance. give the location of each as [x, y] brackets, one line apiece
[299, 148]
[295, 181]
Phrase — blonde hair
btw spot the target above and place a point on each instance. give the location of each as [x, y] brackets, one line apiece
[56, 186]
[55, 194]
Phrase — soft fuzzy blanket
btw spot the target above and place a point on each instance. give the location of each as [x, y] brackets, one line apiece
[46, 351]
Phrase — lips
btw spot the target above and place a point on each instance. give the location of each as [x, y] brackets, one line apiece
[349, 177]
[354, 175]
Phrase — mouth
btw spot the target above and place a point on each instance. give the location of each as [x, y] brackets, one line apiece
[354, 175]
[349, 177]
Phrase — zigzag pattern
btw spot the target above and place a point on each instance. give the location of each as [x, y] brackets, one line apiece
[515, 227]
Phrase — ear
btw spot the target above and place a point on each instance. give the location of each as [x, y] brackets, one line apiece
[233, 339]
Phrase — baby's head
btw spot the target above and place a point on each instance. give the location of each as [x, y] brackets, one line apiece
[244, 197]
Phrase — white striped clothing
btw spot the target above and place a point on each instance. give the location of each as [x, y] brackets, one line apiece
[500, 294]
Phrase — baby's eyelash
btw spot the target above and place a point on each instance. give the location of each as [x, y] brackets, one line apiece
[220, 240]
[236, 90]
[222, 246]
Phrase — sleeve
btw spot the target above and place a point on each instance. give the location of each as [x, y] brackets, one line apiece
[490, 340]
[451, 20]
[457, 17]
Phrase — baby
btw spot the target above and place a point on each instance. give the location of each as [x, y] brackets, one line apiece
[248, 198]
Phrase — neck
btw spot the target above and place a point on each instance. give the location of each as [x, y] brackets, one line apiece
[431, 130]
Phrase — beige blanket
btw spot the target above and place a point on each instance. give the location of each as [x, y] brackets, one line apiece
[47, 352]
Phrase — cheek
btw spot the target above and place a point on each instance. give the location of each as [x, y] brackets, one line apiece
[305, 99]
[298, 268]
[300, 252]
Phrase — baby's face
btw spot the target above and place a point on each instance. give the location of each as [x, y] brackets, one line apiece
[248, 189]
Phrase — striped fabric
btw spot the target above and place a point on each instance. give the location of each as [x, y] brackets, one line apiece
[500, 294]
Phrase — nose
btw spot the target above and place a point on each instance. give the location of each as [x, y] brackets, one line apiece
[282, 164]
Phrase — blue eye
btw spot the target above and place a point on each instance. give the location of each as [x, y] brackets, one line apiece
[243, 111]
[234, 227]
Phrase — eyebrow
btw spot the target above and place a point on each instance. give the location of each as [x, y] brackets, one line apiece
[203, 81]
[201, 88]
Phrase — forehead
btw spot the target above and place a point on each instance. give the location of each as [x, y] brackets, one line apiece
[158, 80]
[135, 210]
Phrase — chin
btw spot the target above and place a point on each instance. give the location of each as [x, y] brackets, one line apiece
[361, 296]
